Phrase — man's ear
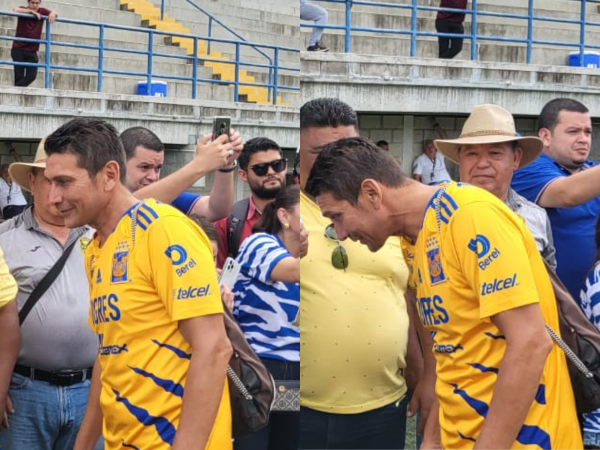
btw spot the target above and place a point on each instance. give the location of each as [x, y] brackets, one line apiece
[243, 175]
[110, 175]
[545, 135]
[371, 192]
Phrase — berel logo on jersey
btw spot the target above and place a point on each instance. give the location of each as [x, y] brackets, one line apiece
[177, 254]
[192, 292]
[481, 247]
[499, 284]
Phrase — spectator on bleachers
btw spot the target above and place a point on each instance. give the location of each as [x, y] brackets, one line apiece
[145, 157]
[430, 166]
[12, 200]
[451, 23]
[310, 11]
[50, 382]
[565, 182]
[267, 299]
[264, 168]
[29, 28]
[489, 162]
[384, 145]
[159, 380]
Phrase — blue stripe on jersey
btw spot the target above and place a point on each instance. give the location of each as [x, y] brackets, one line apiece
[150, 210]
[483, 368]
[167, 385]
[144, 216]
[462, 436]
[540, 395]
[164, 428]
[141, 225]
[495, 336]
[590, 304]
[178, 352]
[445, 208]
[532, 435]
[480, 407]
[450, 200]
[123, 444]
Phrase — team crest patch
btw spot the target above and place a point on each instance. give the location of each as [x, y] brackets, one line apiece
[84, 242]
[119, 267]
[434, 264]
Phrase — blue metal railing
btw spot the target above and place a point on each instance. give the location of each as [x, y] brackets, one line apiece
[100, 70]
[530, 18]
[211, 19]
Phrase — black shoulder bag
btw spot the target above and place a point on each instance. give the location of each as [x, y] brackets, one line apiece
[45, 283]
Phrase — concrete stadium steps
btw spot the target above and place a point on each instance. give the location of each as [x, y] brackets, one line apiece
[151, 15]
[379, 43]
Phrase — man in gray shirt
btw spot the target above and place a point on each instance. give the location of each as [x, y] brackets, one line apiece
[488, 159]
[50, 383]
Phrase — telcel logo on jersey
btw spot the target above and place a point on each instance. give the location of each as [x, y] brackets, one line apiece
[499, 284]
[193, 292]
[178, 256]
[481, 247]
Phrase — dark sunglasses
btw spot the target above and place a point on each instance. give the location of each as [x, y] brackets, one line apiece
[261, 169]
[339, 257]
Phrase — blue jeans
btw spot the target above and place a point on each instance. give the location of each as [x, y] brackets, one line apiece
[46, 417]
[283, 430]
[382, 428]
[591, 440]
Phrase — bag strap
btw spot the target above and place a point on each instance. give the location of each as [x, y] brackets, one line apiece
[235, 225]
[568, 352]
[45, 283]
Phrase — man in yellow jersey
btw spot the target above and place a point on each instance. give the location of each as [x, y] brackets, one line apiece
[160, 378]
[483, 294]
[354, 323]
[9, 334]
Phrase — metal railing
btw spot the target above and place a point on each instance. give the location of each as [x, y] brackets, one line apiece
[273, 86]
[474, 12]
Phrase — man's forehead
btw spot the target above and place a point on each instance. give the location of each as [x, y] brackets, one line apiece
[147, 154]
[265, 156]
[573, 118]
[322, 136]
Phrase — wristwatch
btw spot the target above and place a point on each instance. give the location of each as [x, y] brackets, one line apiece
[226, 169]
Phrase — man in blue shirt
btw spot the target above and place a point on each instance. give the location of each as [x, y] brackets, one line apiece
[565, 182]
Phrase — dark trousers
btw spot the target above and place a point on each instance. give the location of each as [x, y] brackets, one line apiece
[449, 47]
[382, 428]
[11, 211]
[283, 430]
[24, 75]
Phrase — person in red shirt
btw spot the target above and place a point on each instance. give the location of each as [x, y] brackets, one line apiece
[263, 167]
[30, 28]
[450, 22]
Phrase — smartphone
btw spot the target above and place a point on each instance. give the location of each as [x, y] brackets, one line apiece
[229, 273]
[221, 125]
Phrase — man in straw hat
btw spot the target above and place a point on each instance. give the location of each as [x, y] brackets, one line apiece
[488, 152]
[50, 382]
[565, 182]
[482, 293]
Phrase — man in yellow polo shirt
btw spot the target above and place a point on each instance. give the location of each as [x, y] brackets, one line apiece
[483, 294]
[159, 382]
[9, 334]
[354, 323]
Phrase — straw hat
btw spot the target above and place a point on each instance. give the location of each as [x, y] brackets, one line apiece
[18, 170]
[489, 124]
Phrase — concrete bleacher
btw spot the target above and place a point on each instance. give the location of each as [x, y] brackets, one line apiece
[400, 19]
[109, 11]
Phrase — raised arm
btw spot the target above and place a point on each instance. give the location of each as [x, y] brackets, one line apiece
[566, 192]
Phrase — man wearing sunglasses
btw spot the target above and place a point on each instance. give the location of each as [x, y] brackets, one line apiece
[263, 167]
[354, 321]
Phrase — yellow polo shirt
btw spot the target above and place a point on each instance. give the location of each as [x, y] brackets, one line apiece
[354, 324]
[8, 285]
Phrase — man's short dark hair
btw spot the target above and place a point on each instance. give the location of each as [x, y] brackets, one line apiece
[134, 136]
[327, 112]
[255, 145]
[549, 115]
[343, 165]
[94, 142]
[382, 142]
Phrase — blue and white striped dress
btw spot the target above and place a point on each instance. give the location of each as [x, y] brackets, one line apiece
[265, 309]
[590, 303]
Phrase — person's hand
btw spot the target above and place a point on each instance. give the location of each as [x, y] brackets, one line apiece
[236, 143]
[303, 241]
[4, 413]
[52, 17]
[214, 154]
[37, 14]
[227, 296]
[422, 400]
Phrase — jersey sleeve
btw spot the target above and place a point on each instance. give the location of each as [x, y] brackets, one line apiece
[259, 255]
[408, 252]
[185, 202]
[8, 285]
[180, 262]
[491, 253]
[533, 179]
[417, 168]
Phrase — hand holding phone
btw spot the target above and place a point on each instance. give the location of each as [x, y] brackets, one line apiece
[221, 125]
[229, 273]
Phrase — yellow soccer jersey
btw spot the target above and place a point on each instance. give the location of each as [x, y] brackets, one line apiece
[139, 291]
[8, 285]
[480, 262]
